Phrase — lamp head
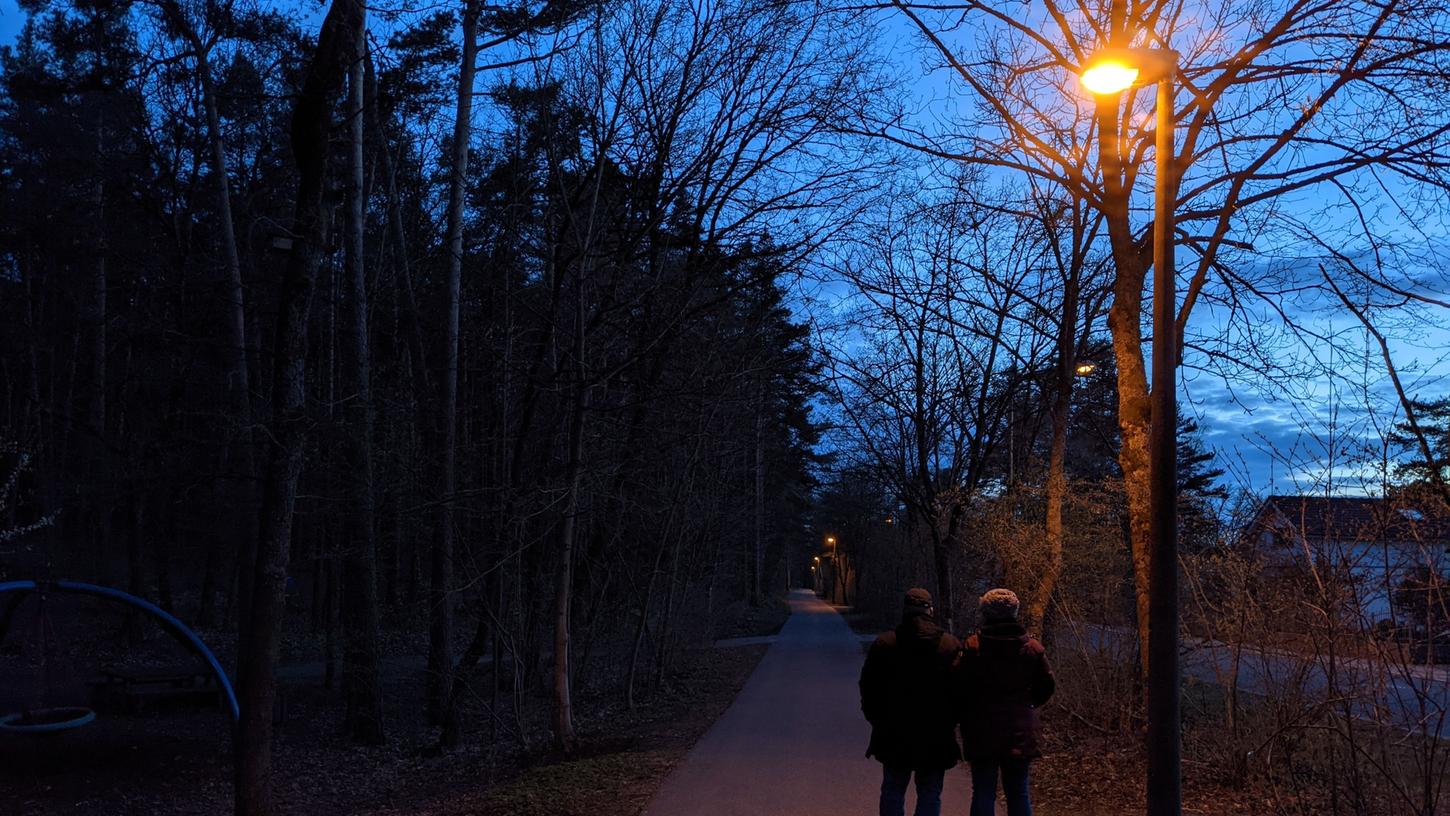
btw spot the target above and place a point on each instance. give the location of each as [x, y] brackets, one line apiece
[1109, 77]
[1113, 70]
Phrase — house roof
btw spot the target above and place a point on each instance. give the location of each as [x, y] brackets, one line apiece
[1324, 518]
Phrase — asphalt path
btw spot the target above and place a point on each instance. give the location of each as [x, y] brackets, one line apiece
[793, 743]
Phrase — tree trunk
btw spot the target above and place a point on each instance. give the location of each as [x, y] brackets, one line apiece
[440, 662]
[135, 565]
[930, 511]
[238, 464]
[97, 416]
[942, 561]
[758, 561]
[564, 736]
[206, 611]
[1057, 457]
[1126, 328]
[1133, 426]
[363, 721]
[161, 553]
[639, 631]
[662, 647]
[333, 612]
[414, 332]
[450, 733]
[260, 635]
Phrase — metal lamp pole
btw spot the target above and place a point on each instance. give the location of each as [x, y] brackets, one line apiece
[1111, 71]
[1165, 794]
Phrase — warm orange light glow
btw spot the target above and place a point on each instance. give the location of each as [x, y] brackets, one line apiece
[830, 539]
[1084, 369]
[1109, 77]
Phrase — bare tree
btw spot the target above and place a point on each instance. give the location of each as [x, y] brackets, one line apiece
[440, 599]
[725, 132]
[201, 37]
[927, 390]
[261, 630]
[1274, 102]
[362, 687]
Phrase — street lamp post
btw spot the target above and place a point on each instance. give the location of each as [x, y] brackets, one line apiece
[835, 569]
[1111, 71]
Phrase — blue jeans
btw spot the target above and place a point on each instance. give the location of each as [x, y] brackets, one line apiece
[928, 791]
[1014, 787]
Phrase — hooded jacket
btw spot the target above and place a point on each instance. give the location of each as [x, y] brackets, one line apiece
[1001, 680]
[906, 695]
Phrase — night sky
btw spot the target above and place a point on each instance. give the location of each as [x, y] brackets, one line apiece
[1268, 439]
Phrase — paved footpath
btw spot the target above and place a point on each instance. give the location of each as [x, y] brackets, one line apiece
[794, 742]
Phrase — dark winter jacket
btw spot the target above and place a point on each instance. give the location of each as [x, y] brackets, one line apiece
[906, 695]
[1001, 680]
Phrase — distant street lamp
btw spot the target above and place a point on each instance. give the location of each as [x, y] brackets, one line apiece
[1111, 71]
[836, 577]
[1082, 369]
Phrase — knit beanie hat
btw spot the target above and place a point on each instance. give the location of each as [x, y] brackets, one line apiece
[999, 605]
[917, 597]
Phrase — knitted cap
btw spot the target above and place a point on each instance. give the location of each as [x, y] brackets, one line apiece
[917, 597]
[999, 604]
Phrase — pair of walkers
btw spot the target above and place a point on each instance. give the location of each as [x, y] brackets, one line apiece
[920, 685]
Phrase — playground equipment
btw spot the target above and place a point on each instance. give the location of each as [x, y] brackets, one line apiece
[44, 719]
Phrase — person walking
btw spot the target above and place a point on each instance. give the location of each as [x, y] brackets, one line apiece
[906, 695]
[1001, 680]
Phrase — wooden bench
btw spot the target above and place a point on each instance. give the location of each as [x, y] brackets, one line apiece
[135, 690]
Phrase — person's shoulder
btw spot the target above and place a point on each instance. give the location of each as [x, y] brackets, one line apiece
[885, 640]
[949, 642]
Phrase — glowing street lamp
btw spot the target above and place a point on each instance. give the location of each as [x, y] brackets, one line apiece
[1085, 369]
[836, 577]
[1109, 77]
[1112, 71]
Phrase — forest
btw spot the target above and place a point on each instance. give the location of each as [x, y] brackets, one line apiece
[463, 374]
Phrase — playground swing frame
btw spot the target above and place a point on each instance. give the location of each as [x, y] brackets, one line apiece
[173, 626]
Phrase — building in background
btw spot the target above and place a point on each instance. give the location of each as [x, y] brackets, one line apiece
[1388, 551]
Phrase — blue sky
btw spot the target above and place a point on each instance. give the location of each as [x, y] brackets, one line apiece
[1318, 433]
[10, 21]
[1314, 432]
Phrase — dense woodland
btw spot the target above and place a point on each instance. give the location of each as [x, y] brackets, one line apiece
[550, 334]
[323, 324]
